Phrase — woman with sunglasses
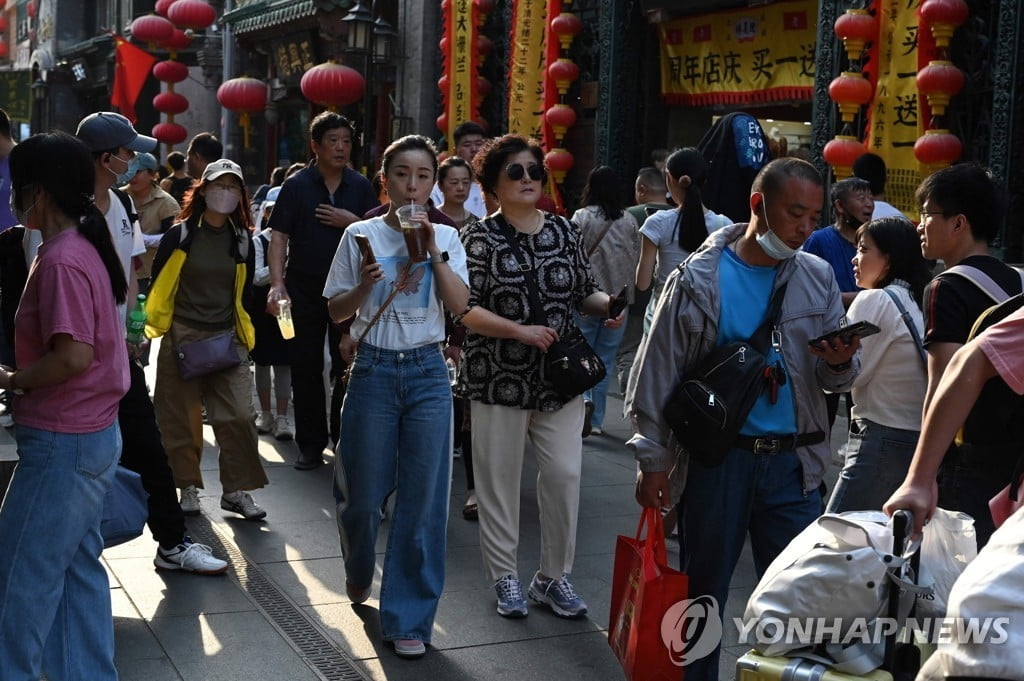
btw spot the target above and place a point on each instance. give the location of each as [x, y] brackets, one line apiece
[511, 399]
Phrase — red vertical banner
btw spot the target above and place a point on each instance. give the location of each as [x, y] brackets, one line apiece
[460, 65]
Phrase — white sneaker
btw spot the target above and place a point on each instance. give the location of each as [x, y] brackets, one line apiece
[190, 557]
[242, 504]
[190, 500]
[264, 422]
[283, 428]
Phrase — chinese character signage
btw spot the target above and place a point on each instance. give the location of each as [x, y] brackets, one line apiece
[750, 56]
[293, 57]
[526, 67]
[895, 112]
[460, 64]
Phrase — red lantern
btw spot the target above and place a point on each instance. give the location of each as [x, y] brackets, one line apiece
[194, 14]
[162, 6]
[939, 81]
[483, 86]
[484, 46]
[3, 22]
[179, 40]
[563, 72]
[841, 152]
[442, 83]
[485, 7]
[170, 103]
[151, 29]
[169, 133]
[560, 117]
[170, 71]
[443, 45]
[943, 17]
[442, 123]
[566, 26]
[850, 91]
[31, 9]
[559, 162]
[937, 149]
[856, 28]
[332, 85]
[4, 50]
[245, 95]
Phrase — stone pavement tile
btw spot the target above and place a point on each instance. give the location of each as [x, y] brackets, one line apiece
[312, 582]
[158, 593]
[228, 647]
[151, 669]
[271, 541]
[579, 657]
[601, 501]
[135, 640]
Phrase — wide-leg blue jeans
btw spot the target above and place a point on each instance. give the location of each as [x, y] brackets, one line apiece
[396, 425]
[605, 343]
[55, 613]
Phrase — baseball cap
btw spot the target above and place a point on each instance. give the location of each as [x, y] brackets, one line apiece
[143, 161]
[107, 130]
[220, 167]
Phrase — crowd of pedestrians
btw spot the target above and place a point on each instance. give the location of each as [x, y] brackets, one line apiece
[432, 304]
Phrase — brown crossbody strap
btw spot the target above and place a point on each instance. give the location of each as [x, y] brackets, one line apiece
[590, 251]
[387, 301]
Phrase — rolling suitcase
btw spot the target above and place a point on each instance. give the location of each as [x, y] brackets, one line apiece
[902, 661]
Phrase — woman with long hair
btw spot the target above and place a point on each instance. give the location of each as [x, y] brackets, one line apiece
[202, 273]
[889, 390]
[669, 236]
[397, 414]
[55, 614]
[454, 178]
[611, 240]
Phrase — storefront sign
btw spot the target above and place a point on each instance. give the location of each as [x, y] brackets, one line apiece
[292, 58]
[895, 116]
[749, 56]
[526, 72]
[460, 65]
[16, 94]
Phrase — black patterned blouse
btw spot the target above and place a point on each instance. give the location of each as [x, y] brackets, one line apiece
[503, 371]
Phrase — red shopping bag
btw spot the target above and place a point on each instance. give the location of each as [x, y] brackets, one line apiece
[644, 587]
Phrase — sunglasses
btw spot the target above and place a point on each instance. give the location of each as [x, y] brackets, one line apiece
[515, 171]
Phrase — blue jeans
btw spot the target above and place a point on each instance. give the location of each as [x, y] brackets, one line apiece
[396, 425]
[877, 461]
[605, 343]
[759, 494]
[55, 612]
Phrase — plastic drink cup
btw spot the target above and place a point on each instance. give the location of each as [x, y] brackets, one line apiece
[284, 319]
[413, 231]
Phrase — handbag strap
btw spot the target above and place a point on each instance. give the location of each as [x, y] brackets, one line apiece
[607, 226]
[905, 315]
[761, 338]
[537, 314]
[399, 285]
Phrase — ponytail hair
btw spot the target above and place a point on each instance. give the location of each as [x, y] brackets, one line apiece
[61, 166]
[690, 225]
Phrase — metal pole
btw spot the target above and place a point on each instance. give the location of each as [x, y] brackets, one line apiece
[227, 60]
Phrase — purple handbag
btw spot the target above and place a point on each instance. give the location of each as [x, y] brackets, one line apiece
[207, 356]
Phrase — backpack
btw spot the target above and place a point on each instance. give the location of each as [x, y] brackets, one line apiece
[129, 205]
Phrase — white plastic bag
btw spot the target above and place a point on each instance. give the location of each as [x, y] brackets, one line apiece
[949, 544]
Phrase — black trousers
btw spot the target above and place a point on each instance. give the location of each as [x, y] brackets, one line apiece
[143, 452]
[306, 355]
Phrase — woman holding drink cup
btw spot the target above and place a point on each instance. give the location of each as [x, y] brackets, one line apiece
[394, 272]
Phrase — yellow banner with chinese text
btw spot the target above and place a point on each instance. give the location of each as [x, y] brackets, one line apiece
[895, 117]
[758, 55]
[461, 32]
[526, 68]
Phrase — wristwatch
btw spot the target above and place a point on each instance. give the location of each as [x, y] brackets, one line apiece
[442, 257]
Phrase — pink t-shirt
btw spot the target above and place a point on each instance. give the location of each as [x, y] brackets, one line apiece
[68, 291]
[1003, 344]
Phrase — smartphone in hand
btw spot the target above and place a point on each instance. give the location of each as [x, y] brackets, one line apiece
[617, 304]
[846, 333]
[364, 247]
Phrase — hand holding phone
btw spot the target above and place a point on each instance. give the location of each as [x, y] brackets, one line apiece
[860, 329]
[364, 247]
[617, 303]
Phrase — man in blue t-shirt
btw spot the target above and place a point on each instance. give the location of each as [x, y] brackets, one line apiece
[853, 204]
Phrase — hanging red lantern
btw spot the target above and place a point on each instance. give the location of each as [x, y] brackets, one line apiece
[194, 14]
[841, 152]
[483, 86]
[443, 45]
[332, 85]
[442, 123]
[442, 83]
[940, 81]
[850, 91]
[4, 50]
[566, 26]
[31, 9]
[560, 117]
[559, 162]
[484, 7]
[151, 29]
[484, 46]
[563, 72]
[937, 149]
[856, 28]
[246, 96]
[943, 17]
[3, 22]
[170, 71]
[170, 103]
[162, 6]
[169, 133]
[179, 40]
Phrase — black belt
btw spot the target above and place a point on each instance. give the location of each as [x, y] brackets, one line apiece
[772, 444]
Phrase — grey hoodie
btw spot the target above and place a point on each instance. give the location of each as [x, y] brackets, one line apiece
[685, 328]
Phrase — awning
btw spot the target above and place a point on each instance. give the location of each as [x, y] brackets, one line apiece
[263, 15]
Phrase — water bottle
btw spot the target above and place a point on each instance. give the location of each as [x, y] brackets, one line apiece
[137, 321]
[284, 319]
[452, 373]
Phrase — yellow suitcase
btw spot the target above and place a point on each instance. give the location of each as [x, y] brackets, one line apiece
[755, 667]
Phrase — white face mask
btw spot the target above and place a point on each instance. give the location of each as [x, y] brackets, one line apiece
[772, 245]
[222, 200]
[21, 215]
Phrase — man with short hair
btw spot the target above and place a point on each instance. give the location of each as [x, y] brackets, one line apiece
[871, 167]
[769, 484]
[469, 139]
[114, 142]
[961, 210]
[203, 150]
[313, 209]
